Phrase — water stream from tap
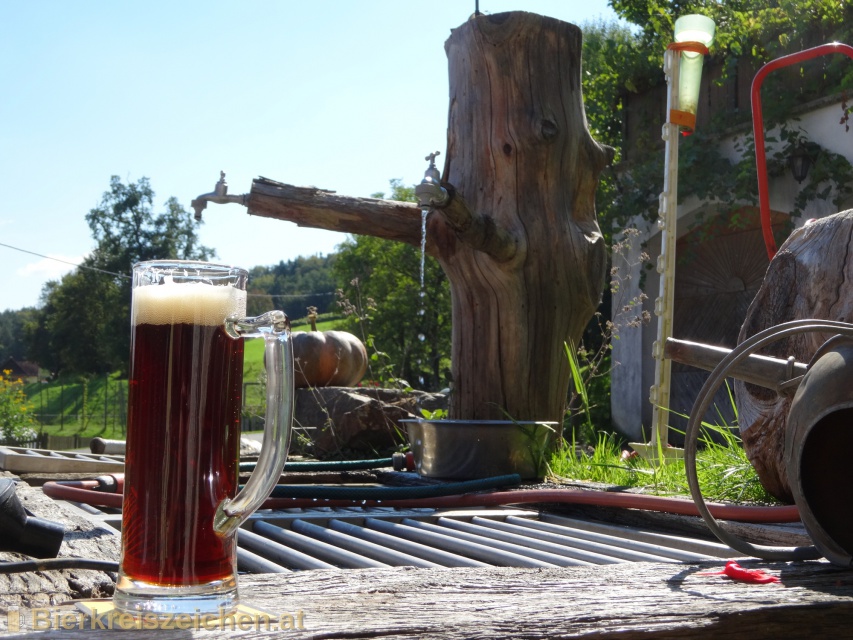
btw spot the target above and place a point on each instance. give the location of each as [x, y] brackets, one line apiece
[424, 214]
[422, 292]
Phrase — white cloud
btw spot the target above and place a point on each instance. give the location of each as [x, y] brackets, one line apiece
[51, 267]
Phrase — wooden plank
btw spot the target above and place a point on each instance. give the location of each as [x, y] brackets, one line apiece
[630, 600]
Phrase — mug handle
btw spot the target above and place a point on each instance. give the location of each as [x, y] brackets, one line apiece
[274, 328]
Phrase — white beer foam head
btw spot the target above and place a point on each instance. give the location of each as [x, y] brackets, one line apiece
[186, 303]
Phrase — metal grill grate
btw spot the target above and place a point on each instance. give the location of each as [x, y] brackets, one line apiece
[344, 538]
[381, 537]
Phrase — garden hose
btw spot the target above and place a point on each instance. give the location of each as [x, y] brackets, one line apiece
[377, 494]
[703, 402]
[106, 491]
[399, 461]
[285, 497]
[622, 500]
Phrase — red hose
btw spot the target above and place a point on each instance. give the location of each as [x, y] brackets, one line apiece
[562, 496]
[84, 491]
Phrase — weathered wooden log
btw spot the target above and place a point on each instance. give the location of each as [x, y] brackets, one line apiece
[323, 209]
[519, 240]
[628, 601]
[808, 278]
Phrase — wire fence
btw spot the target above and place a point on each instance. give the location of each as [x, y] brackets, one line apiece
[98, 407]
[90, 405]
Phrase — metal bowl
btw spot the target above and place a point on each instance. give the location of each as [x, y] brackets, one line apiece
[469, 449]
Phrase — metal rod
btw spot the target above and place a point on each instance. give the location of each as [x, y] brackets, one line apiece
[758, 128]
[542, 558]
[253, 563]
[321, 550]
[619, 546]
[571, 557]
[763, 371]
[560, 537]
[445, 541]
[437, 556]
[278, 552]
[706, 547]
[365, 548]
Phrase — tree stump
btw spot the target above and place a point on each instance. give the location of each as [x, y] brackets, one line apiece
[520, 153]
[808, 278]
[519, 240]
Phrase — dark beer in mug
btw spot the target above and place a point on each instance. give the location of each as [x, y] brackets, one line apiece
[183, 433]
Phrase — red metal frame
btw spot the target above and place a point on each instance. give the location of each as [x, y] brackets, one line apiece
[758, 126]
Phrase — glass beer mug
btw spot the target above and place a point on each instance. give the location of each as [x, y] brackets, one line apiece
[181, 506]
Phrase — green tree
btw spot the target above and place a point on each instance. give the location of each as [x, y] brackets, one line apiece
[12, 344]
[83, 325]
[127, 230]
[406, 332]
[293, 286]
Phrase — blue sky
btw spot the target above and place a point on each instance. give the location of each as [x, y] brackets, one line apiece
[343, 95]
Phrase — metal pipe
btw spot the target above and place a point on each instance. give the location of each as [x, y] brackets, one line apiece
[437, 556]
[455, 544]
[364, 548]
[616, 546]
[252, 563]
[542, 558]
[561, 544]
[319, 549]
[758, 128]
[107, 447]
[280, 553]
[705, 547]
[485, 527]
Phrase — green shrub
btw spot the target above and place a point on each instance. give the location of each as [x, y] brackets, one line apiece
[17, 422]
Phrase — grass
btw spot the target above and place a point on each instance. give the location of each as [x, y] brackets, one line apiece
[725, 473]
[84, 406]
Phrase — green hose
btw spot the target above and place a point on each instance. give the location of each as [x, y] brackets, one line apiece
[394, 493]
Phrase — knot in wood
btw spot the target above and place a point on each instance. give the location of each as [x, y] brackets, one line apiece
[548, 129]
